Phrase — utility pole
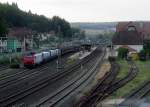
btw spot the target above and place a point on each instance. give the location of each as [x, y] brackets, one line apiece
[32, 42]
[59, 47]
[24, 44]
[1, 44]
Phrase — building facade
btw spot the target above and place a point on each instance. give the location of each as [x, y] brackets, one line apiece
[3, 44]
[13, 45]
[131, 34]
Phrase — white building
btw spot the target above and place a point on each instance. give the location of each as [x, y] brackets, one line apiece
[3, 45]
[137, 48]
[131, 35]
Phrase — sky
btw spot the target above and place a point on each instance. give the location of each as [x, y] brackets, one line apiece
[88, 10]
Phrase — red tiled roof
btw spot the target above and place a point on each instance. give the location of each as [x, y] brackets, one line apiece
[19, 33]
[125, 37]
[141, 27]
[129, 48]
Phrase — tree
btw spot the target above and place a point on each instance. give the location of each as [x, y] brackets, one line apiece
[122, 52]
[142, 55]
[61, 25]
[3, 28]
[78, 33]
[82, 35]
[39, 23]
[18, 18]
[146, 47]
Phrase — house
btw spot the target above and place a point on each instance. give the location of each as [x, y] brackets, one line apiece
[21, 37]
[3, 44]
[133, 53]
[13, 45]
[131, 34]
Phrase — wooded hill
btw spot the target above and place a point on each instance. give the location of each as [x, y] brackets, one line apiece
[11, 16]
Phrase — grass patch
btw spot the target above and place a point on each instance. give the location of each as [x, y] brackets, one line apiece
[71, 61]
[17, 58]
[4, 60]
[124, 68]
[7, 73]
[143, 75]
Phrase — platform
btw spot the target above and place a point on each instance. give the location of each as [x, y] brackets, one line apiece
[81, 55]
[84, 54]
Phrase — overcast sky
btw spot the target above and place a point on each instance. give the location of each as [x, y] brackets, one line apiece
[89, 10]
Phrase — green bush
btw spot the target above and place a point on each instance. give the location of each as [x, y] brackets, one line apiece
[122, 53]
[14, 65]
[17, 59]
[146, 47]
[4, 60]
[142, 55]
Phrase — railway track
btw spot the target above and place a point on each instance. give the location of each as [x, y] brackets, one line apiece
[21, 81]
[137, 95]
[26, 73]
[108, 88]
[53, 99]
[141, 92]
[98, 92]
[3, 67]
[38, 85]
[119, 83]
[10, 79]
[11, 76]
[22, 72]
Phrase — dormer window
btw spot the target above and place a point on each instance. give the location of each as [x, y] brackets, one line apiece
[131, 28]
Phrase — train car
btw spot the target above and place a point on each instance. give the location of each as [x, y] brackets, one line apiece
[58, 51]
[38, 58]
[66, 50]
[46, 56]
[31, 60]
[53, 53]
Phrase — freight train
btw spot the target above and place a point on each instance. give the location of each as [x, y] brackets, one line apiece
[32, 59]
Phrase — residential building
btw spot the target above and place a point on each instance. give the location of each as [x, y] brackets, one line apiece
[131, 34]
[3, 44]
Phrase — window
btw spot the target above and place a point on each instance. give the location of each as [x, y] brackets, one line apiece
[131, 28]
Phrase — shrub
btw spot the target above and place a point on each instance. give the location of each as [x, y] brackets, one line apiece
[4, 60]
[135, 56]
[111, 58]
[142, 55]
[71, 61]
[122, 53]
[14, 65]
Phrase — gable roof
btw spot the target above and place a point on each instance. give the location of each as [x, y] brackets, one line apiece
[141, 26]
[127, 38]
[20, 33]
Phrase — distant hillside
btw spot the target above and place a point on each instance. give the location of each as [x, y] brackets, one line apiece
[98, 25]
[96, 28]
